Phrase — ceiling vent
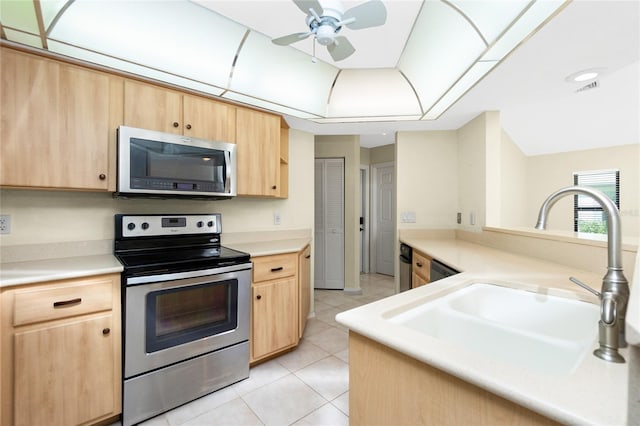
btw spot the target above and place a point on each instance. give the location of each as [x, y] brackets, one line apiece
[593, 85]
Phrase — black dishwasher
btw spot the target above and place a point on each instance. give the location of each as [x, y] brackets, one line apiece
[439, 271]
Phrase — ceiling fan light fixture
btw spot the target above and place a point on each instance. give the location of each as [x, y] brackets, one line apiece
[325, 34]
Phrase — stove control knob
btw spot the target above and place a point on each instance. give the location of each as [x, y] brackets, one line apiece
[145, 225]
[210, 223]
[131, 226]
[200, 224]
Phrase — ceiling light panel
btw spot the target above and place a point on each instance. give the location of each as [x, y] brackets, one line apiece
[282, 75]
[50, 9]
[442, 46]
[471, 77]
[532, 18]
[118, 64]
[23, 38]
[175, 37]
[282, 109]
[372, 92]
[19, 15]
[491, 17]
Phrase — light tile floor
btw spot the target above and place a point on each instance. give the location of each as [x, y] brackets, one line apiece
[308, 386]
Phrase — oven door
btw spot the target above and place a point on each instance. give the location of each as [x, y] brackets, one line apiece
[173, 317]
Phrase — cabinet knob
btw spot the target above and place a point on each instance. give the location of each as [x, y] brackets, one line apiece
[106, 331]
[258, 297]
[102, 176]
[188, 126]
[419, 265]
[274, 187]
[175, 124]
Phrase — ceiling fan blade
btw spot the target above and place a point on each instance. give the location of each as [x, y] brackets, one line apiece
[340, 49]
[291, 38]
[367, 15]
[305, 5]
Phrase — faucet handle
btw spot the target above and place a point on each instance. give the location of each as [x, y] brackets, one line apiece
[585, 286]
[608, 310]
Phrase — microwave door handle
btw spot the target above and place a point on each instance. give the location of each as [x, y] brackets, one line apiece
[227, 167]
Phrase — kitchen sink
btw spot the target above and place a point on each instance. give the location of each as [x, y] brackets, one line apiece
[540, 332]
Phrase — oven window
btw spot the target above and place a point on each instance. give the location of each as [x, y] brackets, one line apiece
[180, 315]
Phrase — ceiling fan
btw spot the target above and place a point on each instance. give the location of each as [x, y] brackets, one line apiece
[325, 20]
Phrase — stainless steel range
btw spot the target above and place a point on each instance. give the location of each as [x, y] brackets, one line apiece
[186, 306]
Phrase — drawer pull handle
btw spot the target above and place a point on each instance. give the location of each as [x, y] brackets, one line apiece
[106, 331]
[67, 302]
[258, 297]
[307, 256]
[419, 265]
[279, 268]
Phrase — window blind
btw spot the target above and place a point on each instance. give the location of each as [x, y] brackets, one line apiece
[588, 215]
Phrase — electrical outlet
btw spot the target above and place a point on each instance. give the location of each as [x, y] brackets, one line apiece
[459, 218]
[408, 217]
[276, 218]
[5, 224]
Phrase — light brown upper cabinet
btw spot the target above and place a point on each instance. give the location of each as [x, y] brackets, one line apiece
[155, 108]
[58, 124]
[258, 141]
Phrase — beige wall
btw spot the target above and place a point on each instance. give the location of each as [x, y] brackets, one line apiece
[548, 173]
[347, 147]
[513, 166]
[472, 177]
[365, 156]
[59, 216]
[427, 178]
[383, 154]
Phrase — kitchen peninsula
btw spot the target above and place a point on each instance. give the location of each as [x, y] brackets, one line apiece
[408, 362]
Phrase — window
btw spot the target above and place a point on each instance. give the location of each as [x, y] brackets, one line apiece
[588, 215]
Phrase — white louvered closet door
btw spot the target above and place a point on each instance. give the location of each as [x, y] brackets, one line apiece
[329, 223]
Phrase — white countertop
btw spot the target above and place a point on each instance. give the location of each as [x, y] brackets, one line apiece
[35, 271]
[265, 248]
[41, 270]
[595, 393]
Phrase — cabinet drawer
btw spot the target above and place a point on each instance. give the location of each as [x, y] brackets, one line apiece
[421, 265]
[271, 267]
[61, 301]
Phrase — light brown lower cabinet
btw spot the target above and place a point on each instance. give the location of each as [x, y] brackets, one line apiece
[387, 387]
[281, 298]
[304, 280]
[61, 352]
[421, 269]
[274, 305]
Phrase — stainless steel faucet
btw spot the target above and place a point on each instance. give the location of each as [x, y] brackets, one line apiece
[614, 295]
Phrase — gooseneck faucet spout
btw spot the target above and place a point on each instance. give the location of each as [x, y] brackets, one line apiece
[614, 295]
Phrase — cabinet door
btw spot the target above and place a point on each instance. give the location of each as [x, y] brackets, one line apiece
[152, 108]
[274, 316]
[304, 278]
[417, 280]
[64, 373]
[55, 124]
[207, 119]
[258, 150]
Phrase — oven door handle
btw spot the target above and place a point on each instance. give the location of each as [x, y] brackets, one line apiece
[147, 279]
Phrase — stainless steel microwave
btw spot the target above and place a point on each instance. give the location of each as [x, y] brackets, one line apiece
[164, 165]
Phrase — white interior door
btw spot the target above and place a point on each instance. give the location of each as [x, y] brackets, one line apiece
[384, 219]
[364, 224]
[329, 223]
